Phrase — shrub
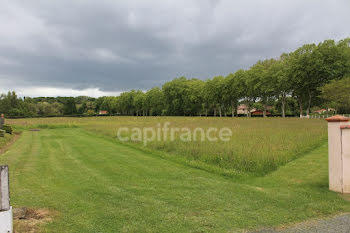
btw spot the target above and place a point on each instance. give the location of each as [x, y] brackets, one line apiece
[8, 129]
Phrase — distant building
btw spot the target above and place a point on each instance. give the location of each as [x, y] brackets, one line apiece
[102, 112]
[260, 113]
[243, 109]
[323, 110]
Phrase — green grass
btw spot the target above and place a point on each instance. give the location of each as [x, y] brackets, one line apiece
[5, 140]
[99, 185]
[257, 145]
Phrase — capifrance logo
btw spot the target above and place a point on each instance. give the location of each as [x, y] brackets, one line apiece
[165, 132]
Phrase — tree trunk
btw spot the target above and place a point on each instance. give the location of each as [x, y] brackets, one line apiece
[220, 112]
[283, 105]
[206, 112]
[215, 112]
[300, 108]
[308, 106]
[233, 109]
[264, 111]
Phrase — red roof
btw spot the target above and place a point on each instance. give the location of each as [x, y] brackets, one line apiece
[337, 118]
[260, 112]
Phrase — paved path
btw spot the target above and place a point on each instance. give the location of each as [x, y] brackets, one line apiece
[338, 224]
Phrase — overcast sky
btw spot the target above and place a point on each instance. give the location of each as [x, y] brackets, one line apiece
[103, 47]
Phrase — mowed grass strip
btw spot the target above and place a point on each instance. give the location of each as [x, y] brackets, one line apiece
[257, 145]
[98, 185]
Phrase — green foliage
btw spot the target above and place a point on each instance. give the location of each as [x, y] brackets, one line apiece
[154, 104]
[70, 107]
[8, 129]
[337, 94]
[183, 96]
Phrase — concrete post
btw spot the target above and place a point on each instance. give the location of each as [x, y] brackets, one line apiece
[339, 164]
[6, 224]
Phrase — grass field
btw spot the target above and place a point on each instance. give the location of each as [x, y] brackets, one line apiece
[98, 185]
[4, 141]
[257, 145]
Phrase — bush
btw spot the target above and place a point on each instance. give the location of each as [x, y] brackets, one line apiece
[8, 129]
[2, 133]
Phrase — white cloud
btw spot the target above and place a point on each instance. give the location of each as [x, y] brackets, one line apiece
[54, 92]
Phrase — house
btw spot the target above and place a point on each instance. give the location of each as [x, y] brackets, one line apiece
[102, 112]
[260, 113]
[243, 109]
[323, 110]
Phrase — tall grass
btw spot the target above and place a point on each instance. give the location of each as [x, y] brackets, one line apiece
[258, 145]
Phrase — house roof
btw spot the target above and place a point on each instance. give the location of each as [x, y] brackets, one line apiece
[242, 107]
[260, 112]
[321, 110]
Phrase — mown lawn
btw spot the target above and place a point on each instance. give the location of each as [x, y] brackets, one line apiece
[257, 145]
[96, 184]
[4, 141]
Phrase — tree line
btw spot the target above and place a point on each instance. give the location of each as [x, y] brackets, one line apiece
[312, 76]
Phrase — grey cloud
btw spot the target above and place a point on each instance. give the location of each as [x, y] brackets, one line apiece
[120, 45]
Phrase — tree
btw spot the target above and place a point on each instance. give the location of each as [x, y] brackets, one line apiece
[303, 78]
[247, 83]
[154, 102]
[232, 92]
[139, 100]
[70, 108]
[110, 104]
[127, 103]
[337, 94]
[214, 89]
[193, 99]
[261, 82]
[313, 66]
[281, 78]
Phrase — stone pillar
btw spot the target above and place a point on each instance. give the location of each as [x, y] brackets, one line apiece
[338, 167]
[6, 224]
[345, 136]
[2, 121]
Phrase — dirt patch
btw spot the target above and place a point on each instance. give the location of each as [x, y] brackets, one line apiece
[34, 129]
[9, 143]
[30, 220]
